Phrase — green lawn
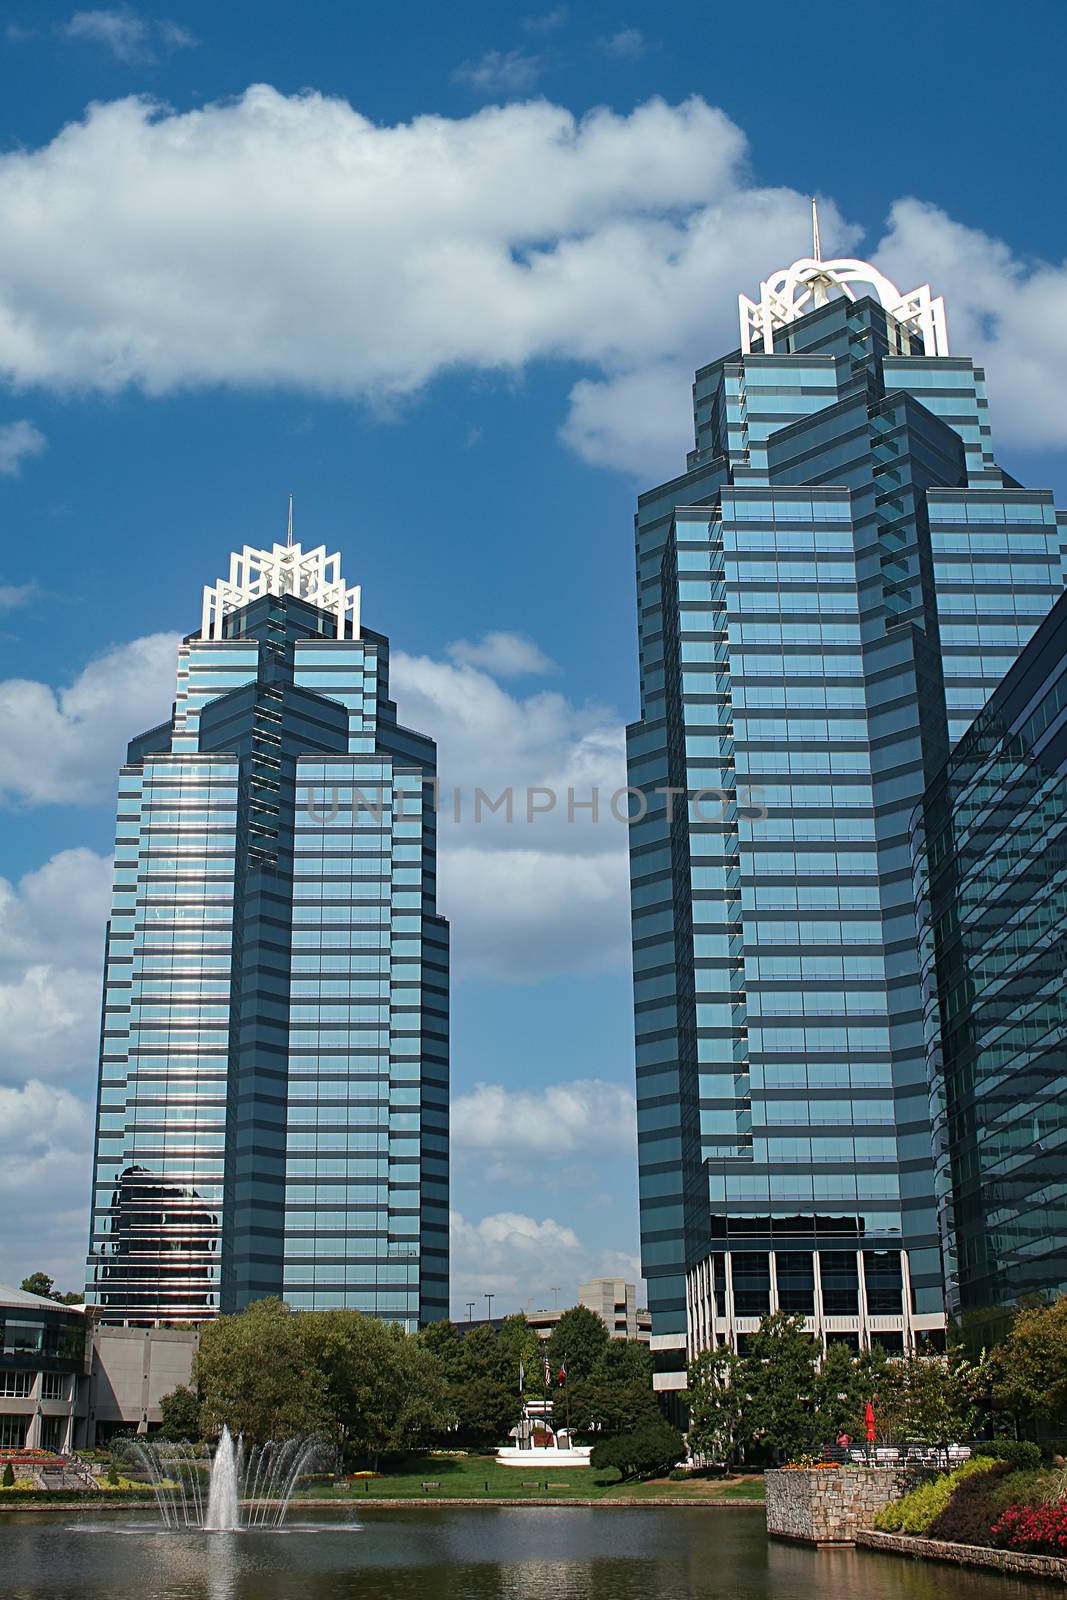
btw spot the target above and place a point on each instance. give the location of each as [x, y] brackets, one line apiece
[475, 1477]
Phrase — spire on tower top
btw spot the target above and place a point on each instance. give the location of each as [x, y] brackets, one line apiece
[793, 291]
[289, 536]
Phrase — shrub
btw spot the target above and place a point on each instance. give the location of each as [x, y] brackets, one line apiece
[652, 1448]
[1021, 1453]
[679, 1474]
[1041, 1530]
[917, 1510]
[9, 1476]
[974, 1507]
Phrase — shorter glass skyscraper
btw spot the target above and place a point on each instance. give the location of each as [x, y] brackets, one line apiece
[990, 846]
[273, 1098]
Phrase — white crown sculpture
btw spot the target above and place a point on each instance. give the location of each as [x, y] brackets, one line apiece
[310, 575]
[792, 291]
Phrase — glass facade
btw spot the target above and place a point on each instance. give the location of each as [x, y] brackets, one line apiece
[990, 847]
[273, 1100]
[826, 598]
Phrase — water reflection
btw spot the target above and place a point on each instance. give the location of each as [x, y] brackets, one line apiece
[521, 1553]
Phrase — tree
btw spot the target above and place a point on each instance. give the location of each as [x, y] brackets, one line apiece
[648, 1451]
[777, 1380]
[626, 1361]
[929, 1399]
[599, 1409]
[485, 1410]
[255, 1376]
[1030, 1367]
[38, 1283]
[714, 1401]
[577, 1341]
[519, 1346]
[181, 1414]
[384, 1392]
[443, 1342]
[482, 1355]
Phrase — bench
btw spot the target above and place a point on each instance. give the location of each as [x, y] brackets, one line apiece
[431, 1483]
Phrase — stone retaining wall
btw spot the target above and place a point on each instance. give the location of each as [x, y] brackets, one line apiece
[1052, 1568]
[826, 1505]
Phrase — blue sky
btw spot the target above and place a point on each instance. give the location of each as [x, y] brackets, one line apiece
[463, 337]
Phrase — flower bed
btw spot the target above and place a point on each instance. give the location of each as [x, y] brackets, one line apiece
[1040, 1530]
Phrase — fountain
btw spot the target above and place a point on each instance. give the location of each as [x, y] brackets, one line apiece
[246, 1489]
[224, 1490]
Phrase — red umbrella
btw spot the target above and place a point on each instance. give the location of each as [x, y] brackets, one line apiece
[869, 1419]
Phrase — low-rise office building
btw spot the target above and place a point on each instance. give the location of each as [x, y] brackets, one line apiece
[67, 1383]
[44, 1365]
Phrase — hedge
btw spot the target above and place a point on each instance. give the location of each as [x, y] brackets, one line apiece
[917, 1510]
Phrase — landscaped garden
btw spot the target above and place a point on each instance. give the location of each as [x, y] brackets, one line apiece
[477, 1477]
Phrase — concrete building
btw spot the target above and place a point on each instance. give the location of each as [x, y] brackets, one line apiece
[67, 1382]
[613, 1299]
[273, 1093]
[827, 596]
[130, 1370]
[615, 1303]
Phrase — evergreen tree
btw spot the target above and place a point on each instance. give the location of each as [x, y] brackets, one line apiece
[181, 1414]
[714, 1398]
[579, 1341]
[777, 1378]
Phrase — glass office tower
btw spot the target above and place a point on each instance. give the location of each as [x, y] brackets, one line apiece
[991, 862]
[826, 596]
[273, 1101]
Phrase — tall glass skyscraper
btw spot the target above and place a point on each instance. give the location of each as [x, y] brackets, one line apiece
[827, 596]
[273, 1101]
[991, 872]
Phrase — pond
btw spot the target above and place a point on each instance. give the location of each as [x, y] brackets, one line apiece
[488, 1553]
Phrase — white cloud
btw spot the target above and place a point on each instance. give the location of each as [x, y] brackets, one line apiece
[525, 898]
[18, 441]
[1009, 314]
[65, 746]
[520, 915]
[130, 37]
[14, 595]
[500, 72]
[548, 21]
[381, 256]
[556, 1121]
[491, 739]
[629, 44]
[503, 655]
[46, 1141]
[640, 421]
[51, 957]
[519, 1260]
[378, 256]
